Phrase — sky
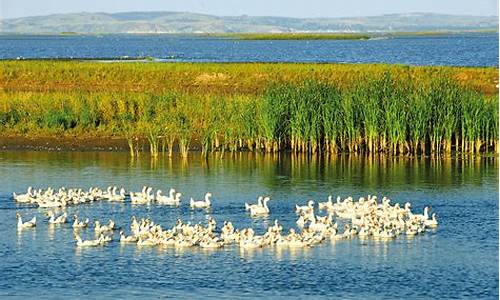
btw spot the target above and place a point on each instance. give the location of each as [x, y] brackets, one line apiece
[288, 8]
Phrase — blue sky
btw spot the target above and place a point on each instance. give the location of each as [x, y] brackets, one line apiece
[292, 8]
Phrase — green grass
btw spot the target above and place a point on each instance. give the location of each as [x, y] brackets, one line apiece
[303, 108]
[335, 35]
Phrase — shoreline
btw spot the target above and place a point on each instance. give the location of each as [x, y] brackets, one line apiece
[112, 144]
[119, 145]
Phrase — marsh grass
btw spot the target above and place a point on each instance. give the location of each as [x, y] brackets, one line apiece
[300, 108]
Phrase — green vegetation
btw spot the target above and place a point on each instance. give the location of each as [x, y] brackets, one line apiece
[334, 36]
[68, 33]
[293, 36]
[306, 108]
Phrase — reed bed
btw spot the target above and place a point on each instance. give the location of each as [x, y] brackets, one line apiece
[398, 111]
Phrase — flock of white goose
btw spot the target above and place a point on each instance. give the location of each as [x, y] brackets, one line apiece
[364, 218]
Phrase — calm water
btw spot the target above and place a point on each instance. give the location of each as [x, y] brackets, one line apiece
[458, 49]
[458, 260]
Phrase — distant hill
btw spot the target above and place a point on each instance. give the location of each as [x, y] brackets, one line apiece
[178, 22]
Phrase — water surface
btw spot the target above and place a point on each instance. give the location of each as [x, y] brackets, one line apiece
[458, 260]
[478, 49]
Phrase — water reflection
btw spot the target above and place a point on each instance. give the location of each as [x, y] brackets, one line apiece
[274, 171]
[23, 234]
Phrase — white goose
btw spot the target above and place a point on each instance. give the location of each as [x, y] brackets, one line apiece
[250, 206]
[57, 220]
[305, 209]
[326, 205]
[107, 194]
[50, 202]
[317, 225]
[432, 223]
[29, 224]
[103, 239]
[98, 228]
[210, 243]
[79, 224]
[423, 217]
[127, 239]
[260, 210]
[206, 203]
[117, 197]
[24, 198]
[172, 199]
[86, 243]
[301, 221]
[142, 197]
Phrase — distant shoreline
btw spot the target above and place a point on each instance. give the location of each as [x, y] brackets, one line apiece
[167, 22]
[299, 35]
[337, 35]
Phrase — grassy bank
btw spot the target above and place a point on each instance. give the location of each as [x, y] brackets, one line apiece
[293, 36]
[217, 78]
[339, 35]
[308, 108]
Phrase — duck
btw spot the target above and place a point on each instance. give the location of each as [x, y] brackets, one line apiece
[29, 224]
[206, 203]
[260, 210]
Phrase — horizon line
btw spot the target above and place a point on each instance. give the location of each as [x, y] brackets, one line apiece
[246, 15]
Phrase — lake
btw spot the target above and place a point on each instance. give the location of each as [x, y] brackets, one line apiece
[457, 260]
[478, 49]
